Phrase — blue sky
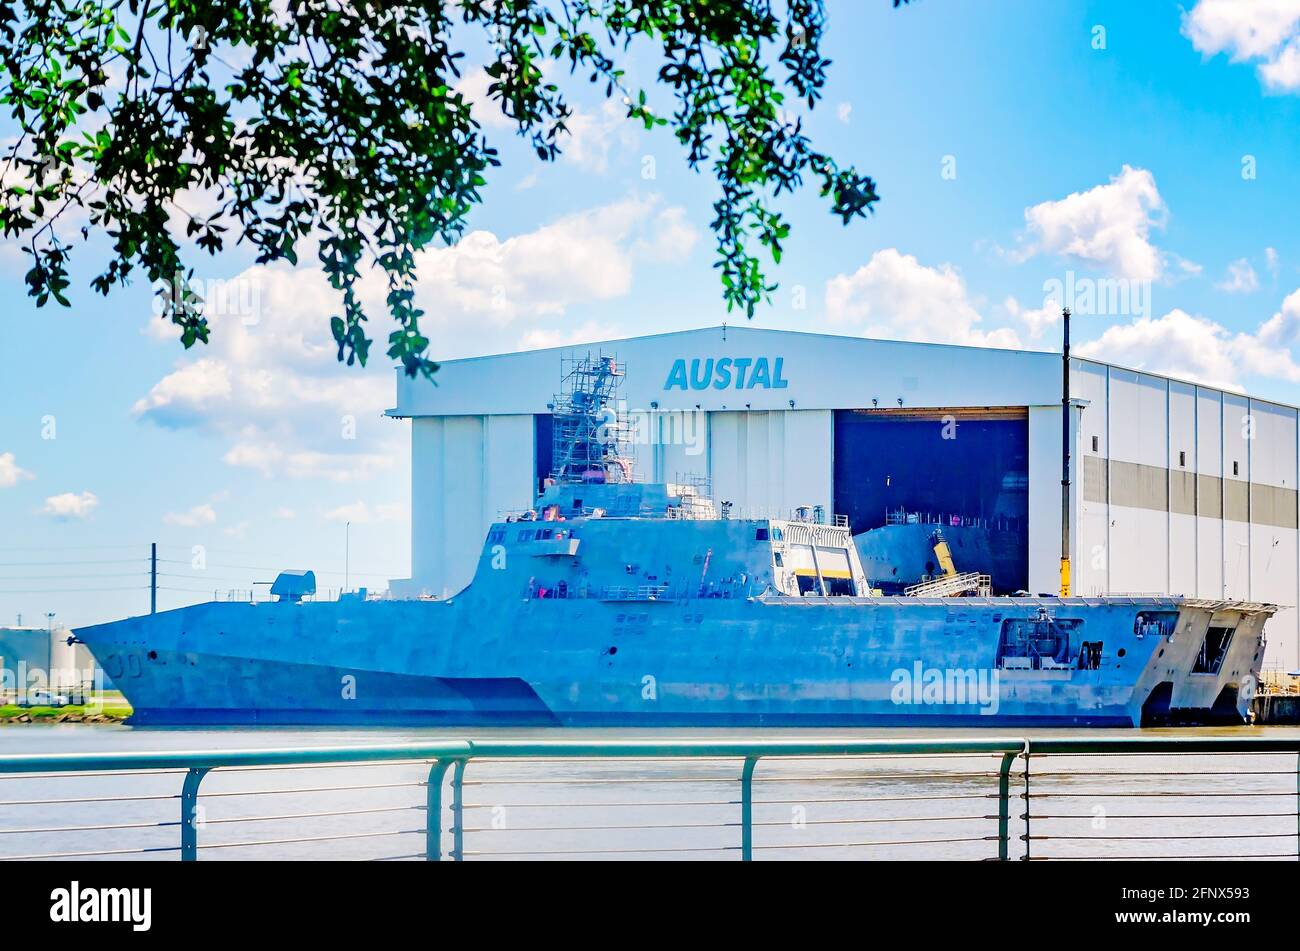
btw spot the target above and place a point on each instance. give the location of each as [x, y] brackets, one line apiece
[1014, 144]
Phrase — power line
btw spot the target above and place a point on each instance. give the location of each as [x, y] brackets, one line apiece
[66, 590]
[66, 547]
[119, 574]
[47, 564]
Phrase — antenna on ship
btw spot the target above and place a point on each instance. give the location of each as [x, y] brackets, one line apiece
[1065, 456]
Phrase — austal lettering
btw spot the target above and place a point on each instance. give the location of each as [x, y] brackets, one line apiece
[724, 373]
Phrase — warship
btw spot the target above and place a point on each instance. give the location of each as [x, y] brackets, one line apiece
[616, 602]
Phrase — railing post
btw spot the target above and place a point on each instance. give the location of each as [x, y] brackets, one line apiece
[1025, 754]
[747, 809]
[189, 814]
[458, 812]
[433, 811]
[1004, 804]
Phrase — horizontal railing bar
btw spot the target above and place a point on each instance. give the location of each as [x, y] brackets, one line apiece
[1152, 795]
[1134, 838]
[796, 802]
[77, 855]
[491, 749]
[639, 749]
[795, 778]
[1168, 746]
[701, 780]
[312, 815]
[96, 828]
[89, 773]
[595, 805]
[636, 780]
[722, 825]
[309, 838]
[720, 802]
[1244, 856]
[399, 762]
[701, 848]
[398, 858]
[856, 845]
[308, 789]
[1166, 772]
[59, 802]
[1174, 815]
[619, 828]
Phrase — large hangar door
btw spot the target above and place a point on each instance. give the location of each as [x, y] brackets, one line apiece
[963, 470]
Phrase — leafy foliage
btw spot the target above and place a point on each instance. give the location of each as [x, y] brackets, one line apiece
[338, 126]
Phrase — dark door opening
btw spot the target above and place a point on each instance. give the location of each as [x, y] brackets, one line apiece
[964, 472]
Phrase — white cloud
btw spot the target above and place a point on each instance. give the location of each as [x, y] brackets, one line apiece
[203, 514]
[1270, 258]
[1182, 345]
[1267, 31]
[1240, 279]
[895, 296]
[563, 336]
[670, 237]
[10, 471]
[843, 111]
[1036, 320]
[1108, 225]
[284, 512]
[361, 512]
[269, 382]
[595, 136]
[70, 505]
[271, 460]
[583, 257]
[473, 85]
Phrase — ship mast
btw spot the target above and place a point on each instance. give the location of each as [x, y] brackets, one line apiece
[590, 435]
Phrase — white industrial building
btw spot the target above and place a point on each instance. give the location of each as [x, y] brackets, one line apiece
[1177, 488]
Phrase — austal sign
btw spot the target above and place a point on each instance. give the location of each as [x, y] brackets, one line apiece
[740, 373]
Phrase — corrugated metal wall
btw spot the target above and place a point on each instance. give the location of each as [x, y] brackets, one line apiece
[1188, 490]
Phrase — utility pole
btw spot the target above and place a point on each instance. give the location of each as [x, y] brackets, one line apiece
[1065, 457]
[153, 578]
[347, 553]
[49, 648]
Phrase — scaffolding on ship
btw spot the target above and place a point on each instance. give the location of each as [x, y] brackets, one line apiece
[590, 433]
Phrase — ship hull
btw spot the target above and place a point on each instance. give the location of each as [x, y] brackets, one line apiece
[881, 662]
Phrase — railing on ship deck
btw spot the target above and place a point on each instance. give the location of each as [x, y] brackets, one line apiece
[1089, 798]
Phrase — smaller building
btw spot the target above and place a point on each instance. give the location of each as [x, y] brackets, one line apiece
[42, 658]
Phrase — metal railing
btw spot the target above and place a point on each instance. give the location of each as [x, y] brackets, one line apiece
[948, 586]
[1087, 798]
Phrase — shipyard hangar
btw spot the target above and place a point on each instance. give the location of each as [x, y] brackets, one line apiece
[1175, 487]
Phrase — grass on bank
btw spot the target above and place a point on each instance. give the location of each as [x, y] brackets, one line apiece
[112, 704]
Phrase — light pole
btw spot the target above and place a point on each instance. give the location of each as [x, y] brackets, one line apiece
[49, 652]
[347, 552]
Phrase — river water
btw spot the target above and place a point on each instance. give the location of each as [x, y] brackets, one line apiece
[1185, 806]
